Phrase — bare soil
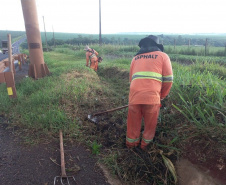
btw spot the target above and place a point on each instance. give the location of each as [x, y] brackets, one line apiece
[207, 156]
[22, 164]
[190, 174]
[23, 73]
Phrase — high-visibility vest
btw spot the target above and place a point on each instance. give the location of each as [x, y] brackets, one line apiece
[151, 78]
[92, 56]
[92, 51]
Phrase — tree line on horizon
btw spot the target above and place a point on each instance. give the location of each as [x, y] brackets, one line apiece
[116, 40]
[122, 39]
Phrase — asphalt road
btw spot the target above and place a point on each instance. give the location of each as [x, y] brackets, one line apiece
[16, 48]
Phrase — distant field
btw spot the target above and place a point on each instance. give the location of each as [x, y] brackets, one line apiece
[132, 39]
[14, 34]
[66, 36]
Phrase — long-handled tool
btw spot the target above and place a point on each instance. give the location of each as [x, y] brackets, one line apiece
[92, 117]
[63, 179]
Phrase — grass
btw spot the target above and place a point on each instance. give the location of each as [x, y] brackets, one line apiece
[96, 148]
[189, 59]
[199, 95]
[196, 50]
[195, 107]
[38, 103]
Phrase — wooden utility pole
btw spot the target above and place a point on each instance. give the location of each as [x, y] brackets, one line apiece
[10, 53]
[37, 67]
[100, 39]
[9, 76]
[45, 33]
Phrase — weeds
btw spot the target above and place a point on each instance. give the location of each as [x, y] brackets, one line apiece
[96, 148]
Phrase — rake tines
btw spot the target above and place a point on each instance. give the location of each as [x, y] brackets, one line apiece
[63, 179]
[69, 180]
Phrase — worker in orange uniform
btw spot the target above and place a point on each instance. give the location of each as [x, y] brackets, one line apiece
[91, 55]
[151, 79]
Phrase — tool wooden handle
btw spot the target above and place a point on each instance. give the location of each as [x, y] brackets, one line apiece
[63, 172]
[118, 108]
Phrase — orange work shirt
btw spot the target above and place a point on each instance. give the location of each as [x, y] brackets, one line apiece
[92, 56]
[151, 78]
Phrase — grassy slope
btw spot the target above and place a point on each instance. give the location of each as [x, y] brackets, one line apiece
[196, 106]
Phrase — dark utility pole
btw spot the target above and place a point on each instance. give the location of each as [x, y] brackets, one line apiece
[100, 39]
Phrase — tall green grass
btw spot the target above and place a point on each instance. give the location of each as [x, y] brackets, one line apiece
[199, 96]
[196, 50]
[189, 59]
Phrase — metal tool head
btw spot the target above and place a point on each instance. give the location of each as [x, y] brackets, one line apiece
[69, 180]
[93, 119]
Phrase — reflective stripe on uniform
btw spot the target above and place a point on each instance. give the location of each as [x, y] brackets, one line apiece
[91, 56]
[147, 75]
[167, 78]
[147, 141]
[132, 140]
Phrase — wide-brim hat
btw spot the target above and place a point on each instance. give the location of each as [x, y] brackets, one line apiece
[86, 48]
[152, 39]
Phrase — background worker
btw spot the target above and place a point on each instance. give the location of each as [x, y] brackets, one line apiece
[151, 79]
[91, 55]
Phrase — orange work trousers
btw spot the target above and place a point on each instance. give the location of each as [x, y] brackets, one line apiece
[94, 64]
[135, 114]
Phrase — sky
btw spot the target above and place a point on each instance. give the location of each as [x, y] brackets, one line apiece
[119, 16]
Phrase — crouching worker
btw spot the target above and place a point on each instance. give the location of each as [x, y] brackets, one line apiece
[91, 55]
[151, 79]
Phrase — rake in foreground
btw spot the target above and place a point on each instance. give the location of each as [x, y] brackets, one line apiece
[63, 179]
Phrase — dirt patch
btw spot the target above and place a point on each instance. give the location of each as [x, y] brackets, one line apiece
[131, 166]
[204, 149]
[20, 74]
[185, 62]
[209, 156]
[190, 174]
[114, 72]
[111, 180]
[39, 164]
